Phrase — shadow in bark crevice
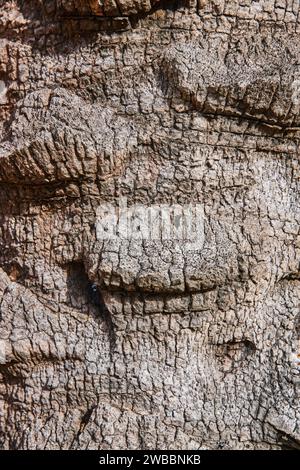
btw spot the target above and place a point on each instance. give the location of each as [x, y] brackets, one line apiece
[85, 296]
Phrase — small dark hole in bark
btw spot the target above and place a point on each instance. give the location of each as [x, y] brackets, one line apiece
[232, 353]
[244, 345]
[16, 272]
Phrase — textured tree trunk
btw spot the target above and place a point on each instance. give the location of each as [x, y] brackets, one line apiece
[149, 224]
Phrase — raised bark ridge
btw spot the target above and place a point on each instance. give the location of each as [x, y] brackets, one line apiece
[98, 7]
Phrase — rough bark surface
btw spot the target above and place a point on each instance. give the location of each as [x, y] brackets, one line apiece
[148, 344]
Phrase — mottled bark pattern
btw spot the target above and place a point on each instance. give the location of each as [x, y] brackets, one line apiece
[147, 344]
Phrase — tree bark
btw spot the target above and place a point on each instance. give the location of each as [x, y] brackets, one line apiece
[149, 224]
